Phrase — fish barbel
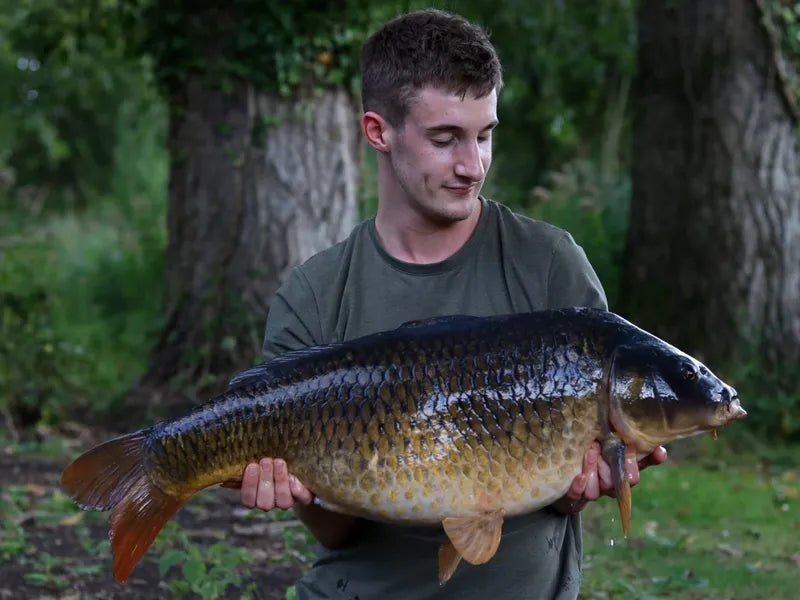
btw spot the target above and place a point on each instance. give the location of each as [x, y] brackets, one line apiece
[454, 420]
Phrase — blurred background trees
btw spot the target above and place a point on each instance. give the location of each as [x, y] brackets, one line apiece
[161, 167]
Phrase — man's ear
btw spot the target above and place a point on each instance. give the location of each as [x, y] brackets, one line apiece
[377, 131]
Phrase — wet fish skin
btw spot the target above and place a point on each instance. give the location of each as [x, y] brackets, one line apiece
[454, 420]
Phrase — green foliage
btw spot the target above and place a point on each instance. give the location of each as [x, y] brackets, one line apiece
[785, 16]
[69, 93]
[80, 292]
[78, 312]
[727, 531]
[771, 396]
[279, 48]
[205, 572]
[593, 210]
[568, 67]
[13, 541]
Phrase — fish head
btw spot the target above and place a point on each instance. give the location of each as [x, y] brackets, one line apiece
[658, 393]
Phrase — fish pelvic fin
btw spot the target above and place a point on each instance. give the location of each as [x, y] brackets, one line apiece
[449, 558]
[112, 476]
[474, 538]
[614, 455]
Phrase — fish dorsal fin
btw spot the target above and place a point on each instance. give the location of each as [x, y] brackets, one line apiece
[278, 365]
[474, 538]
[448, 320]
[281, 363]
[258, 373]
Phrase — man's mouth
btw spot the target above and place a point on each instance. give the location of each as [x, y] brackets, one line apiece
[462, 190]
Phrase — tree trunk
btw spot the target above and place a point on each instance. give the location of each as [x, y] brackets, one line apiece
[713, 256]
[257, 185]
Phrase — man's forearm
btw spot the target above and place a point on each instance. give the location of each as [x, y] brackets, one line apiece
[332, 530]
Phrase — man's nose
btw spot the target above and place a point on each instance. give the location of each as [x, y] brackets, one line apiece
[469, 164]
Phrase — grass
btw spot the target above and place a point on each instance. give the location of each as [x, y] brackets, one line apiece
[698, 531]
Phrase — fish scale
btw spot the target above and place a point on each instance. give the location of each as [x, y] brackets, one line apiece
[456, 420]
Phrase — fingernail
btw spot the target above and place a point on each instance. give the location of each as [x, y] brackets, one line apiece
[251, 469]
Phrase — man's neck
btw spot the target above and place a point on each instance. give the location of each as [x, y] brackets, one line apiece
[409, 237]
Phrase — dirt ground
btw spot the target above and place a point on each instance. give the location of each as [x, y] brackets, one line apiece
[76, 573]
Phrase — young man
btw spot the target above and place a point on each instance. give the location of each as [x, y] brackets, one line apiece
[435, 247]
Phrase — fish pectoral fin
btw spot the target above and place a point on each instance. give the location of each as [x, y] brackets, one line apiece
[475, 538]
[449, 558]
[614, 455]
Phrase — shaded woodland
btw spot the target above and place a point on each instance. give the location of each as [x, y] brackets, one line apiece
[162, 166]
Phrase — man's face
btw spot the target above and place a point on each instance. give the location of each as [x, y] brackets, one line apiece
[442, 152]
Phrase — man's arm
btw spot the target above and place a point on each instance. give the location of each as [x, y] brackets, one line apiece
[293, 323]
[573, 282]
[267, 485]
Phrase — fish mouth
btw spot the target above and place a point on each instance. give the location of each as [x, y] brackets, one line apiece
[734, 411]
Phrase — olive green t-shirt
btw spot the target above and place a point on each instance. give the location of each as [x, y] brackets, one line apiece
[509, 264]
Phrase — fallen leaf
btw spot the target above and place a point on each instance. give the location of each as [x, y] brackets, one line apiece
[250, 530]
[72, 519]
[36, 489]
[728, 549]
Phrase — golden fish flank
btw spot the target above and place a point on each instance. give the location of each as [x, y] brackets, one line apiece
[459, 421]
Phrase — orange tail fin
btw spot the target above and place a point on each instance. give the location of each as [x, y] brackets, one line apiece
[112, 476]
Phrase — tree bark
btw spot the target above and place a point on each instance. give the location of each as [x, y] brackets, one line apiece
[713, 254]
[258, 184]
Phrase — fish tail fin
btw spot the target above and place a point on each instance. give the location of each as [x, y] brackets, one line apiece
[137, 521]
[112, 476]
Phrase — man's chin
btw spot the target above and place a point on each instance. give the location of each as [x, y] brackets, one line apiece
[461, 207]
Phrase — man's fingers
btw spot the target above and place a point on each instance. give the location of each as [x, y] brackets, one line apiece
[632, 469]
[604, 475]
[300, 492]
[283, 494]
[250, 484]
[656, 457]
[266, 487]
[590, 460]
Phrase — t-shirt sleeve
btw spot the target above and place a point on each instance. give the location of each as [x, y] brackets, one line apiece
[293, 317]
[571, 279]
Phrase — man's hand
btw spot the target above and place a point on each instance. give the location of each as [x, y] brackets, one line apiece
[595, 480]
[267, 485]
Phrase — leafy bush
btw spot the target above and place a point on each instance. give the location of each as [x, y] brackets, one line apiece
[81, 290]
[771, 396]
[594, 211]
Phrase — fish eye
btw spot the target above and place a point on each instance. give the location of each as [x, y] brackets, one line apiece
[689, 372]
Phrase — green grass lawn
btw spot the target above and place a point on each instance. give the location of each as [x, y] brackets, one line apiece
[718, 532]
[712, 523]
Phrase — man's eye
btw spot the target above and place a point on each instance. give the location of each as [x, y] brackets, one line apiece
[443, 142]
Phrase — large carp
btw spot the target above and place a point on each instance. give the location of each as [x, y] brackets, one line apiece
[454, 420]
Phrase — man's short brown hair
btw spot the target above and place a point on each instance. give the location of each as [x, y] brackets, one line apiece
[426, 48]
